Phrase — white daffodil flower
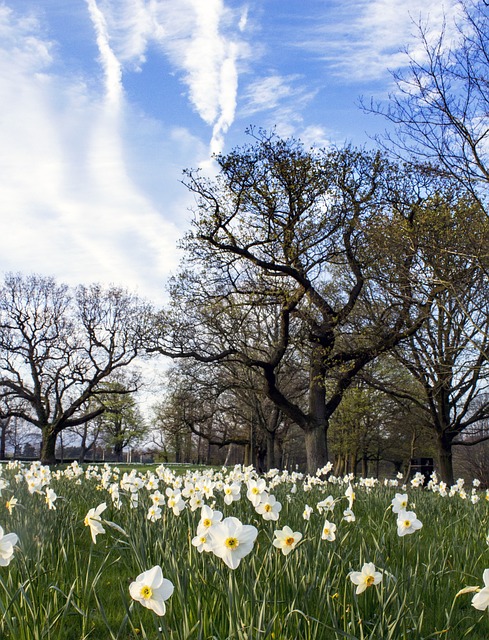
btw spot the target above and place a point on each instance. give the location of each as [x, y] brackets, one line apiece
[231, 540]
[93, 520]
[7, 543]
[151, 590]
[407, 523]
[286, 540]
[367, 577]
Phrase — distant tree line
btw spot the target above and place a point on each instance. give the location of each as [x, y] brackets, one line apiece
[331, 303]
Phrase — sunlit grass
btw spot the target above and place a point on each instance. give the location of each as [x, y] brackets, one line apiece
[59, 585]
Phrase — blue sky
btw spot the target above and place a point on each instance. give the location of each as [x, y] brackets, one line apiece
[104, 102]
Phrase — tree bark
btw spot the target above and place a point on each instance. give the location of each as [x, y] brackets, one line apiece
[316, 449]
[445, 459]
[48, 446]
[271, 463]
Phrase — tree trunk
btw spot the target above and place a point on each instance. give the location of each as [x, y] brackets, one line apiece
[316, 449]
[118, 447]
[48, 446]
[445, 460]
[3, 436]
[228, 454]
[365, 466]
[271, 464]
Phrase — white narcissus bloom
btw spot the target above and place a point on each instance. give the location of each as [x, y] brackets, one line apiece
[231, 540]
[329, 531]
[51, 498]
[208, 517]
[11, 504]
[151, 589]
[286, 539]
[93, 520]
[306, 514]
[350, 494]
[7, 543]
[200, 540]
[399, 502]
[232, 492]
[348, 515]
[326, 505]
[255, 489]
[481, 600]
[269, 508]
[154, 513]
[367, 577]
[407, 522]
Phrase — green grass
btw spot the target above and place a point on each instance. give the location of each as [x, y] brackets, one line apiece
[60, 586]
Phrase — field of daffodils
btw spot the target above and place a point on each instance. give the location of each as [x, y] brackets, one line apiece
[97, 553]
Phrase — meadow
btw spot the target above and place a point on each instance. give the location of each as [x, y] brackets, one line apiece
[104, 554]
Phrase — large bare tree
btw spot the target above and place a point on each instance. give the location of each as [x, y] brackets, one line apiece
[270, 234]
[57, 347]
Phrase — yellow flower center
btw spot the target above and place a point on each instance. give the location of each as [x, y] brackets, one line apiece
[87, 521]
[407, 523]
[289, 541]
[268, 507]
[255, 490]
[369, 580]
[326, 531]
[207, 522]
[146, 592]
[231, 543]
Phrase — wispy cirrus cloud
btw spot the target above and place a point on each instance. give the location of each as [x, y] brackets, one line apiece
[70, 205]
[202, 40]
[360, 39]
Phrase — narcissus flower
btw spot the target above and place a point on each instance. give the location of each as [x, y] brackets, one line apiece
[51, 498]
[11, 504]
[93, 520]
[151, 590]
[407, 522]
[208, 517]
[286, 539]
[306, 514]
[255, 489]
[231, 540]
[326, 505]
[367, 577]
[481, 600]
[7, 543]
[399, 502]
[269, 508]
[232, 492]
[329, 530]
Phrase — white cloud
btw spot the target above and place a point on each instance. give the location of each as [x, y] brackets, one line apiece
[202, 40]
[70, 206]
[270, 92]
[361, 39]
[110, 63]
